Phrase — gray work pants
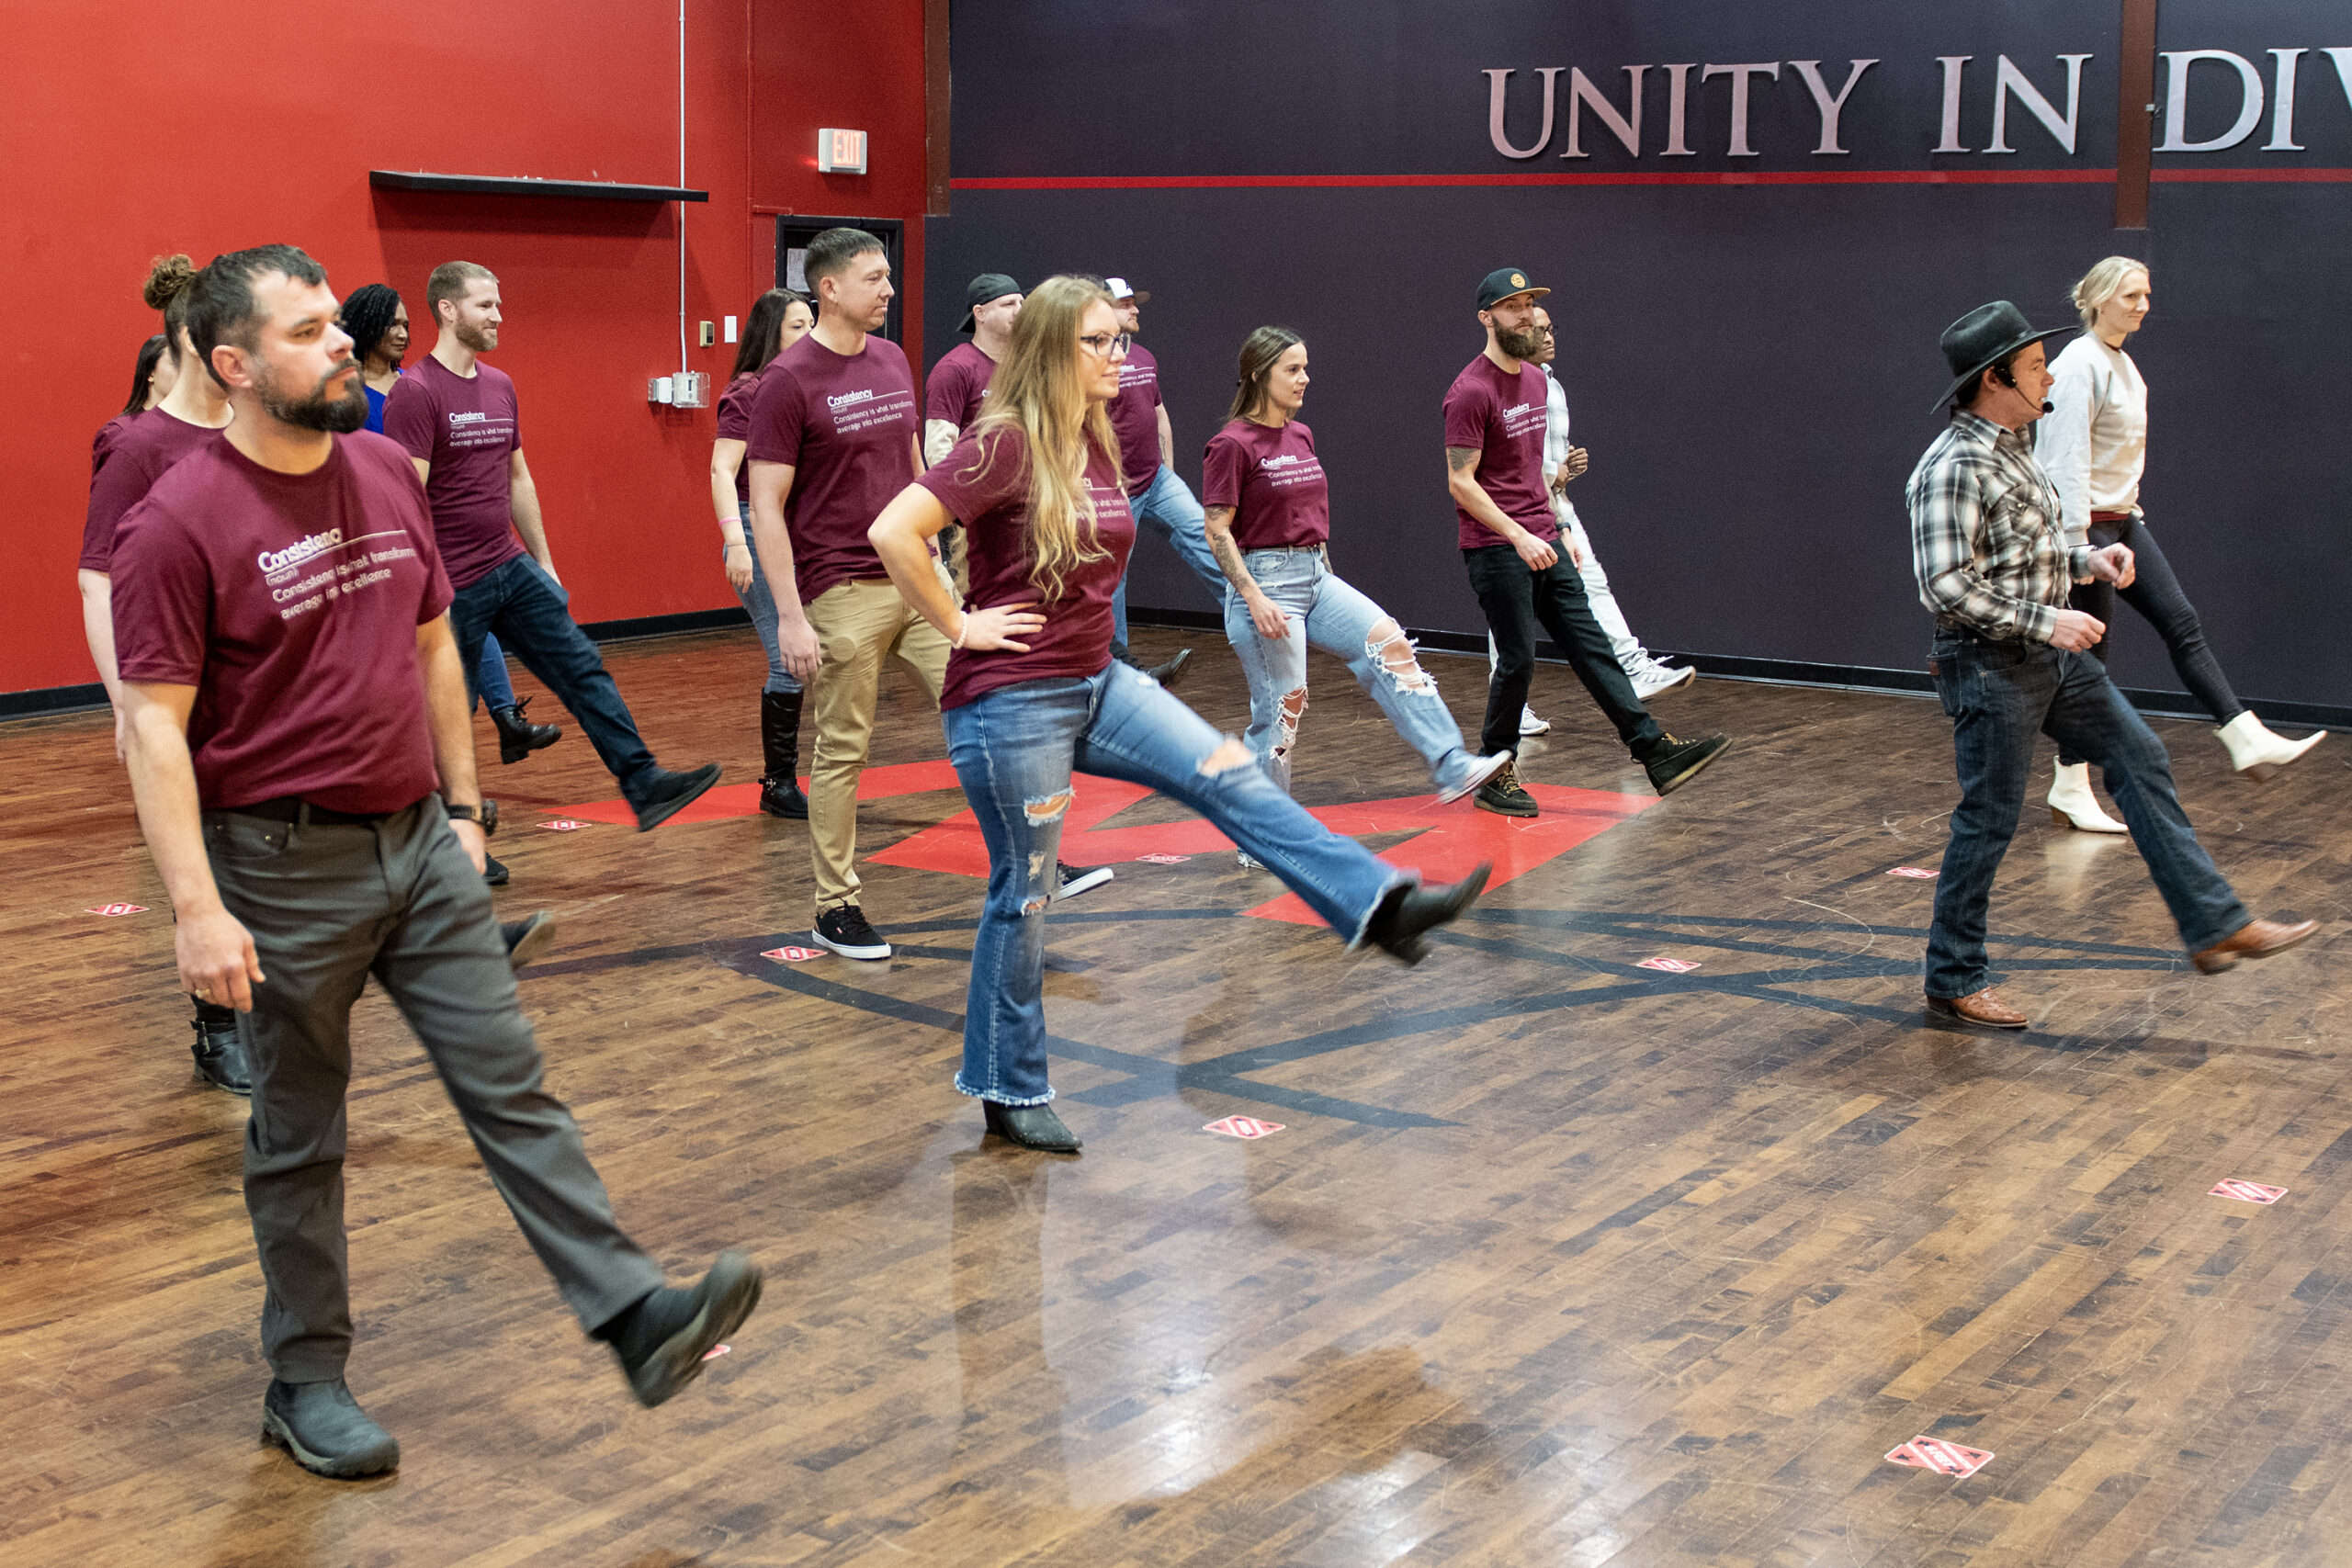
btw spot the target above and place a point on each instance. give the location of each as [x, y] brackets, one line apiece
[328, 906]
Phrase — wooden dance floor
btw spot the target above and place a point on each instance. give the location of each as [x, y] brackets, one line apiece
[1638, 1226]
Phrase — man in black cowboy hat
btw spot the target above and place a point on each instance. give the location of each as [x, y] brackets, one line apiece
[1522, 572]
[2011, 661]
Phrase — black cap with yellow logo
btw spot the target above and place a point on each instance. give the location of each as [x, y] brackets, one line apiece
[1504, 282]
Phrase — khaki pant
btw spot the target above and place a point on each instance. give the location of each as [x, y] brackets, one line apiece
[856, 624]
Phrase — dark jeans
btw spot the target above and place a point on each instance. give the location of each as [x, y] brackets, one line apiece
[2155, 594]
[1515, 601]
[328, 906]
[1999, 695]
[531, 616]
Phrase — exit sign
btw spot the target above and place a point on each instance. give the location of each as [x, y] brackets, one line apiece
[841, 152]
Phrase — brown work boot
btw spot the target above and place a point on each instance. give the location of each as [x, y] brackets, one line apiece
[1985, 1010]
[2256, 938]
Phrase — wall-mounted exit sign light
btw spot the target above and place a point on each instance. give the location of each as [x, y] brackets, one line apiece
[841, 152]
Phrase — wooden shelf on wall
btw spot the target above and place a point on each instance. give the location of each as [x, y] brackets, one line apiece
[492, 184]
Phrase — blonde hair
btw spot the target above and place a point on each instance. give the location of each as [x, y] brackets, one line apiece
[2103, 283]
[1036, 397]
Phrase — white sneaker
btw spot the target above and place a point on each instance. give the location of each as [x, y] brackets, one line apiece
[1657, 680]
[1481, 770]
[1531, 725]
[1076, 879]
[2071, 804]
[1247, 862]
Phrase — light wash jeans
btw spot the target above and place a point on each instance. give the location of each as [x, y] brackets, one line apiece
[1014, 749]
[760, 604]
[497, 688]
[1325, 612]
[1166, 507]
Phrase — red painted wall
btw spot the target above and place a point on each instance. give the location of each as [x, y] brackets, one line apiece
[127, 131]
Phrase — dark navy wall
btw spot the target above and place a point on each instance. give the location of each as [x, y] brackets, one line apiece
[1751, 365]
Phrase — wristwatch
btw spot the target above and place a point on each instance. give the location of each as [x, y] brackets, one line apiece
[485, 815]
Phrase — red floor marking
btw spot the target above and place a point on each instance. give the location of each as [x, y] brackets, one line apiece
[1241, 1127]
[1944, 1459]
[1670, 966]
[716, 1351]
[562, 825]
[793, 954]
[116, 909]
[2246, 1191]
[1165, 860]
[1914, 872]
[1448, 839]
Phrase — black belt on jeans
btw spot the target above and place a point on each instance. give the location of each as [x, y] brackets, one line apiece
[292, 808]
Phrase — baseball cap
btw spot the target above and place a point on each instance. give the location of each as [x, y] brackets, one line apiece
[1119, 290]
[1504, 282]
[987, 286]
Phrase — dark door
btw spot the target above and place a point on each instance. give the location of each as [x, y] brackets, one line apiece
[793, 235]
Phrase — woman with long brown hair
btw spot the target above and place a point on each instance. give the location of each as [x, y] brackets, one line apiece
[1268, 517]
[1033, 694]
[779, 318]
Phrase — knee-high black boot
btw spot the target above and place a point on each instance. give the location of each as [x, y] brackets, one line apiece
[779, 754]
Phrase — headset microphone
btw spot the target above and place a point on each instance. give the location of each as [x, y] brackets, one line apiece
[2007, 378]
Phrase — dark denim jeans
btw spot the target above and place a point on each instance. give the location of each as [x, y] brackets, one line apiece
[1999, 694]
[2155, 593]
[1014, 749]
[1515, 601]
[531, 617]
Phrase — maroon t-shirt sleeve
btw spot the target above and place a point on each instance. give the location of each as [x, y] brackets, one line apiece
[114, 490]
[1469, 411]
[162, 600]
[1224, 467]
[409, 417]
[973, 478]
[735, 409]
[943, 392]
[778, 419]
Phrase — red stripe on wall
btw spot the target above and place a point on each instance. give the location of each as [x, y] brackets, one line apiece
[1727, 178]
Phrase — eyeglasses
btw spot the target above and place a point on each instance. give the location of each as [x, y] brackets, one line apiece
[1103, 346]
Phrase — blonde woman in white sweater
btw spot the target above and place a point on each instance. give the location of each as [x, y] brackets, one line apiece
[2094, 445]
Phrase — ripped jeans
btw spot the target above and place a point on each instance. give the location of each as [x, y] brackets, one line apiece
[1014, 749]
[1324, 612]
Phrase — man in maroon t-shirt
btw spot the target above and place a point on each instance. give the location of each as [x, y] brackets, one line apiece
[1163, 504]
[958, 384]
[1495, 414]
[460, 423]
[293, 697]
[833, 438]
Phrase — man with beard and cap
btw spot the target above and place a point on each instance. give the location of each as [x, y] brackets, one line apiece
[1162, 503]
[299, 747]
[460, 423]
[2011, 661]
[1495, 417]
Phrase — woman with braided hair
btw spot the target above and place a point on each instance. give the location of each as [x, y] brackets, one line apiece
[378, 322]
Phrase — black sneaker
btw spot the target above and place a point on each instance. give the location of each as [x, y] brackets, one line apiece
[1407, 911]
[1502, 795]
[665, 1339]
[527, 938]
[843, 929]
[323, 1427]
[1076, 879]
[1678, 761]
[672, 793]
[221, 1058]
[493, 870]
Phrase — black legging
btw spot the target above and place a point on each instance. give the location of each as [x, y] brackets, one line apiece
[2155, 594]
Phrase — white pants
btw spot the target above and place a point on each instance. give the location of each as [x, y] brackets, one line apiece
[1632, 656]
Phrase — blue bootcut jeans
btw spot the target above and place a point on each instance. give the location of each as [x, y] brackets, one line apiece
[1998, 695]
[1166, 507]
[1014, 749]
[1325, 612]
[530, 614]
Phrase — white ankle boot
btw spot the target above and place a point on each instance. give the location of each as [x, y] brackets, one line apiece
[2257, 753]
[2071, 804]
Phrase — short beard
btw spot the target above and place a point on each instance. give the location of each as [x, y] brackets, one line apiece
[1519, 343]
[340, 416]
[482, 340]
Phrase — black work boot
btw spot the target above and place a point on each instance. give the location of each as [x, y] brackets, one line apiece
[517, 736]
[667, 793]
[221, 1058]
[1406, 911]
[665, 1339]
[323, 1427]
[780, 756]
[1677, 762]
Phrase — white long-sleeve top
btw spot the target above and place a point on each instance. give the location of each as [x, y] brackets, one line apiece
[2095, 445]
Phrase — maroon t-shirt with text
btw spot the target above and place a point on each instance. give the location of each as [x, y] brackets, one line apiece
[986, 483]
[1272, 481]
[1134, 418]
[1501, 417]
[469, 428]
[291, 603]
[959, 386]
[735, 424]
[126, 466]
[847, 425]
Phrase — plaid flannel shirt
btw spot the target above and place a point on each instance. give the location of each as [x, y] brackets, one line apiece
[1987, 542]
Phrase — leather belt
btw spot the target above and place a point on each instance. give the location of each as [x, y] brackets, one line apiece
[2111, 516]
[294, 808]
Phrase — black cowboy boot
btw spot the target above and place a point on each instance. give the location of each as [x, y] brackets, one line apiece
[779, 754]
